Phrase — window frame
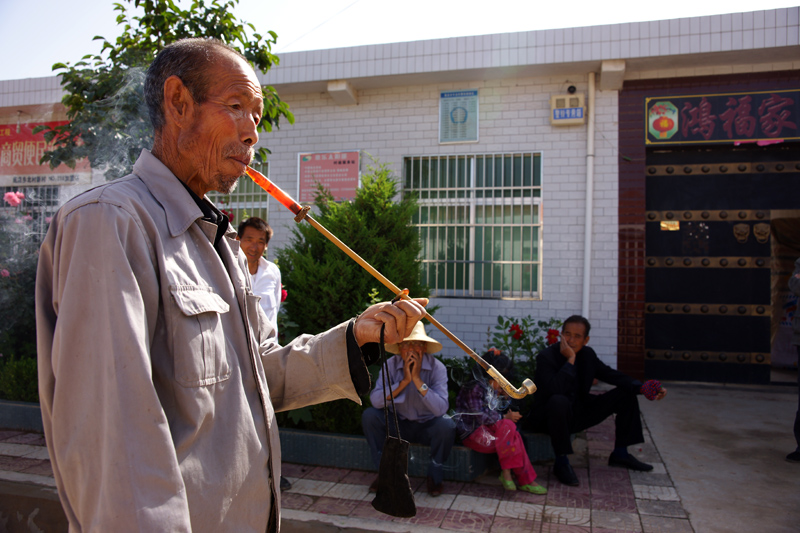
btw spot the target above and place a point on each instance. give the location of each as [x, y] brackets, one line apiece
[475, 200]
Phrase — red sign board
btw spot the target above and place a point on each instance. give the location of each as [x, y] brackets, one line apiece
[20, 151]
[336, 171]
[765, 117]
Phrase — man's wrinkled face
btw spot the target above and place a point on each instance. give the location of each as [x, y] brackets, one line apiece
[575, 336]
[218, 144]
[253, 244]
[412, 347]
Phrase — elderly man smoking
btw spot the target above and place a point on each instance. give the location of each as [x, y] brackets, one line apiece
[159, 374]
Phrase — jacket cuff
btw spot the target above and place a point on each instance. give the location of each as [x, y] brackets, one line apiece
[357, 360]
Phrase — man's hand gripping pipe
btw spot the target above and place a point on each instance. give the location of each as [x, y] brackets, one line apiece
[301, 213]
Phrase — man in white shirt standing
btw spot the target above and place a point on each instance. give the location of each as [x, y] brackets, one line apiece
[254, 235]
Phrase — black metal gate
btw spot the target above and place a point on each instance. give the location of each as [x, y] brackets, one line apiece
[712, 270]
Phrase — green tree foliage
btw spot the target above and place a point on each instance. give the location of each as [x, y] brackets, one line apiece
[104, 100]
[325, 286]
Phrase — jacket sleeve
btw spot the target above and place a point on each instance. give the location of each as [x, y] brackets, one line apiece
[554, 376]
[605, 373]
[378, 395]
[110, 445]
[309, 370]
[437, 398]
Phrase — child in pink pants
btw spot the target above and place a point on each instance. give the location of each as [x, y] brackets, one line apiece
[485, 429]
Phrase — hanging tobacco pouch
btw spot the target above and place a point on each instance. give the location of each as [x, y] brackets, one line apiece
[394, 496]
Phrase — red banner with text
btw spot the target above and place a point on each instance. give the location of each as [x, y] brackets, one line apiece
[20, 152]
[336, 171]
[761, 117]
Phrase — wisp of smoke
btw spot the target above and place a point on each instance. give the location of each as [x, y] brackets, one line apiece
[129, 130]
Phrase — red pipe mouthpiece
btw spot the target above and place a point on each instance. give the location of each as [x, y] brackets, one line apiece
[275, 191]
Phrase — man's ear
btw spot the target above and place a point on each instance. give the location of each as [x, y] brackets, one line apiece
[178, 103]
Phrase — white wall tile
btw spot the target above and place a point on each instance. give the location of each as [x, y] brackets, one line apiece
[705, 42]
[792, 37]
[793, 17]
[680, 27]
[716, 42]
[749, 20]
[727, 41]
[759, 38]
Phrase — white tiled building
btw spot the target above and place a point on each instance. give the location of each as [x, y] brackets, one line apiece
[385, 100]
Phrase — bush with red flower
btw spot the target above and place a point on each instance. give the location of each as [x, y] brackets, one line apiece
[21, 231]
[287, 329]
[13, 198]
[228, 213]
[521, 339]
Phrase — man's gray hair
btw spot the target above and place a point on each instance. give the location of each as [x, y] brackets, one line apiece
[189, 60]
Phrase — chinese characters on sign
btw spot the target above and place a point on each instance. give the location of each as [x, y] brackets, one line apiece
[569, 112]
[20, 151]
[458, 116]
[717, 118]
[336, 171]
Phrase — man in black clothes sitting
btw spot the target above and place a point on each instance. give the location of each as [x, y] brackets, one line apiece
[562, 405]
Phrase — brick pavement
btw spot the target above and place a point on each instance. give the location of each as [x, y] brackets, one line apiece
[608, 499]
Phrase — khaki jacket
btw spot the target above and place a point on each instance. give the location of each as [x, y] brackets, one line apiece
[159, 375]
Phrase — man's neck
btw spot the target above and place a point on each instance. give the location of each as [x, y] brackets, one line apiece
[252, 267]
[166, 153]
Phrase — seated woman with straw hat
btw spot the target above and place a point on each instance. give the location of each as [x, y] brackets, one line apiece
[418, 382]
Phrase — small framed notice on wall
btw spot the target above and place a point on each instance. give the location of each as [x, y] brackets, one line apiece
[339, 172]
[458, 116]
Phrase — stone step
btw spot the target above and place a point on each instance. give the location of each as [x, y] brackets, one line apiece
[351, 451]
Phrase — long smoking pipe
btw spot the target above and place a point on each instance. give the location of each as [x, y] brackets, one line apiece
[301, 213]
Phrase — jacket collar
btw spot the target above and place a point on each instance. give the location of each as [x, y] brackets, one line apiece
[179, 206]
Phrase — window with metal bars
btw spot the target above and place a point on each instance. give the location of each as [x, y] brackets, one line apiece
[247, 200]
[479, 223]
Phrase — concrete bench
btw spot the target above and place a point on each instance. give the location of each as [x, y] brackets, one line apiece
[351, 451]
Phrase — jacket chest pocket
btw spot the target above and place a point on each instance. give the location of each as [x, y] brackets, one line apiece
[253, 308]
[198, 340]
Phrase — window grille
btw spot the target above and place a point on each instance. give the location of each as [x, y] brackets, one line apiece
[479, 222]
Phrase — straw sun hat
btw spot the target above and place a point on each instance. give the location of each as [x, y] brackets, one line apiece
[417, 334]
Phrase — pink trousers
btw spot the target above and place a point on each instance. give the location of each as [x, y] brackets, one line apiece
[503, 439]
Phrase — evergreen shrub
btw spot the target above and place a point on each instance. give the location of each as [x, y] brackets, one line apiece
[326, 287]
[22, 227]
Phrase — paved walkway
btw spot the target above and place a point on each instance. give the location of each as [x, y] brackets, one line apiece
[607, 500]
[718, 456]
